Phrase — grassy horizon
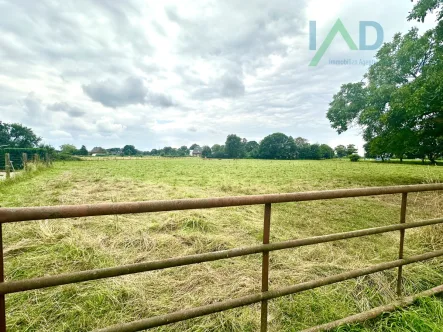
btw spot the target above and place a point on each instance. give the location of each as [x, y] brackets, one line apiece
[48, 247]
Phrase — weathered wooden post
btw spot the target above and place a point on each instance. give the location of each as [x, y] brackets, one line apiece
[7, 166]
[35, 158]
[25, 161]
[47, 159]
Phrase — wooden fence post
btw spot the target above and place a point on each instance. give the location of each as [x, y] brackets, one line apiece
[7, 166]
[47, 158]
[25, 161]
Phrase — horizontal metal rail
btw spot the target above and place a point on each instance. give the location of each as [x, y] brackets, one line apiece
[258, 297]
[8, 215]
[375, 312]
[74, 211]
[82, 276]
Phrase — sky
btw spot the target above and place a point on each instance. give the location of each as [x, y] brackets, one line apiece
[171, 73]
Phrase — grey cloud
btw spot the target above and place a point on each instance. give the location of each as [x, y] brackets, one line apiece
[240, 31]
[72, 111]
[115, 94]
[232, 86]
[32, 106]
[227, 86]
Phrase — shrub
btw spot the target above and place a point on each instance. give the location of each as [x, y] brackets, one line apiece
[354, 157]
[65, 157]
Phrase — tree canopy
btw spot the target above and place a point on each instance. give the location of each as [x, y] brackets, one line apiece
[234, 146]
[14, 135]
[129, 150]
[277, 146]
[398, 104]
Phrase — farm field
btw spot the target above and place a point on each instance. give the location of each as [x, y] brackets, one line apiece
[34, 249]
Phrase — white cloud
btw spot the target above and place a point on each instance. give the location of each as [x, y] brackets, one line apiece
[150, 74]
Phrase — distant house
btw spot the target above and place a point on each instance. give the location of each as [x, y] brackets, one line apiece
[197, 152]
[97, 150]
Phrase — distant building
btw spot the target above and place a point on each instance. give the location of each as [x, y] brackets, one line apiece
[98, 150]
[197, 152]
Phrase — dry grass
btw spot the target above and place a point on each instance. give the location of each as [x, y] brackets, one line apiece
[48, 247]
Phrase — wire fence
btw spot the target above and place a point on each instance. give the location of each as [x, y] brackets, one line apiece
[19, 157]
[14, 162]
[9, 215]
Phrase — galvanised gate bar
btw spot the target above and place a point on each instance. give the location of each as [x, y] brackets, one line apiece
[9, 215]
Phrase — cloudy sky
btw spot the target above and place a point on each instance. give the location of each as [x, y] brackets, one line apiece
[171, 73]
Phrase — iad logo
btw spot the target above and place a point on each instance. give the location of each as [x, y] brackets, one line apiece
[340, 28]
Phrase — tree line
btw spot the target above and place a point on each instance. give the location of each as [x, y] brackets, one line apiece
[275, 146]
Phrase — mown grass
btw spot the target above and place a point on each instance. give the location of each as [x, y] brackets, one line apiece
[54, 246]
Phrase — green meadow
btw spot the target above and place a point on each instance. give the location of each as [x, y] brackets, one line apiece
[48, 247]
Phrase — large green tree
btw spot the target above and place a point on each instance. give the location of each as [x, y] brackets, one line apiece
[341, 151]
[83, 151]
[252, 149]
[206, 151]
[15, 135]
[277, 146]
[399, 102]
[68, 149]
[129, 150]
[234, 147]
[302, 148]
[326, 152]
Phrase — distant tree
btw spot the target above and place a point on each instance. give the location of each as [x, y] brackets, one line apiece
[252, 149]
[206, 151]
[193, 146]
[49, 148]
[351, 149]
[218, 151]
[83, 151]
[68, 149]
[15, 135]
[315, 152]
[183, 151]
[234, 147]
[341, 151]
[302, 148]
[169, 151]
[277, 146]
[217, 148]
[326, 152]
[154, 152]
[114, 151]
[129, 150]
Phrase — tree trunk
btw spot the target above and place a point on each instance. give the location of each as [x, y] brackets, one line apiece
[432, 159]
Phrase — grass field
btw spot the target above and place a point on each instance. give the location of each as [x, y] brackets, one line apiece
[35, 249]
